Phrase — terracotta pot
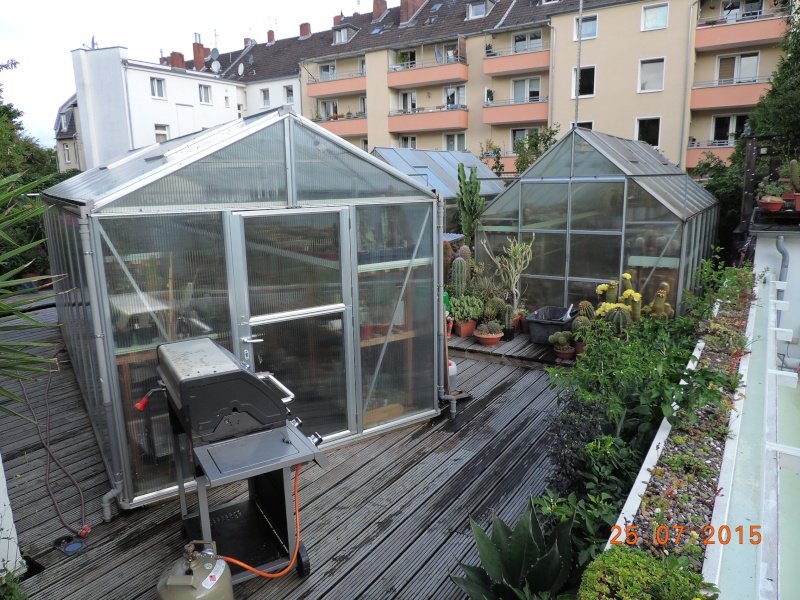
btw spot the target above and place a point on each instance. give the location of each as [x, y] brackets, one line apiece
[579, 347]
[564, 353]
[465, 329]
[490, 339]
[523, 322]
[770, 203]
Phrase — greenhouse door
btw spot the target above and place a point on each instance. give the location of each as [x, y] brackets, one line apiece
[291, 287]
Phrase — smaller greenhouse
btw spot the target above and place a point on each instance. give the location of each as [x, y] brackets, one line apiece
[296, 251]
[600, 206]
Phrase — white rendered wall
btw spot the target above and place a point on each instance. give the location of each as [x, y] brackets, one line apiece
[277, 95]
[10, 558]
[767, 256]
[100, 88]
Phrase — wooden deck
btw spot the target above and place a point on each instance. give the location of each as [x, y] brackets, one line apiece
[519, 351]
[387, 519]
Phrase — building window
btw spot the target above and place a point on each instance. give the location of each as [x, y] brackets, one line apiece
[586, 125]
[328, 108]
[362, 65]
[67, 158]
[265, 98]
[455, 96]
[227, 101]
[288, 94]
[586, 85]
[587, 29]
[365, 144]
[648, 130]
[239, 110]
[528, 42]
[408, 101]
[362, 105]
[63, 119]
[655, 17]
[521, 134]
[327, 72]
[742, 68]
[408, 141]
[455, 141]
[651, 75]
[158, 88]
[742, 9]
[451, 53]
[205, 94]
[476, 10]
[340, 36]
[728, 128]
[526, 90]
[162, 133]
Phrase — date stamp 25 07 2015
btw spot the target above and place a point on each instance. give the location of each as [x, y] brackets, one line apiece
[662, 535]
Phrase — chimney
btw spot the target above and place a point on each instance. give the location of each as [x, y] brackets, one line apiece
[408, 8]
[378, 8]
[199, 58]
[337, 19]
[176, 60]
[246, 42]
[271, 36]
[206, 53]
[305, 29]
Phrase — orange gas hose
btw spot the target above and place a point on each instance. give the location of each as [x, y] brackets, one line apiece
[297, 541]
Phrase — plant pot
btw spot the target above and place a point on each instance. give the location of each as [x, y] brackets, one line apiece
[523, 325]
[579, 347]
[770, 203]
[508, 334]
[490, 339]
[465, 329]
[565, 354]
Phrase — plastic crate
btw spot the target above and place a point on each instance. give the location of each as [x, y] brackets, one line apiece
[548, 320]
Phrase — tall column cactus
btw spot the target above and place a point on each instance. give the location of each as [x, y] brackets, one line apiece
[512, 264]
[459, 276]
[470, 202]
[794, 175]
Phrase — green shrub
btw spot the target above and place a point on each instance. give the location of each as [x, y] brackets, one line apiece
[625, 574]
[10, 589]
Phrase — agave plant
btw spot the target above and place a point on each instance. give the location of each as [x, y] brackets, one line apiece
[519, 564]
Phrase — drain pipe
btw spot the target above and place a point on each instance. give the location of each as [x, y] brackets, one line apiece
[440, 330]
[784, 269]
[108, 498]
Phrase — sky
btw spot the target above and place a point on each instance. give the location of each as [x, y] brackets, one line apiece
[41, 35]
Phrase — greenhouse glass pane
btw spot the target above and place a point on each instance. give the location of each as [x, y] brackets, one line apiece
[250, 173]
[542, 292]
[293, 261]
[556, 162]
[578, 291]
[503, 211]
[544, 206]
[549, 255]
[396, 300]
[589, 162]
[594, 256]
[307, 355]
[167, 280]
[327, 171]
[597, 206]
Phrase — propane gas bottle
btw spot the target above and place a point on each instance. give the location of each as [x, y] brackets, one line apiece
[196, 576]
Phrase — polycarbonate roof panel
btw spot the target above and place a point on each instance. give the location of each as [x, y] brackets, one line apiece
[441, 168]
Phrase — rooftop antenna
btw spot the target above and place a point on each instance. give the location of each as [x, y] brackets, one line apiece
[215, 38]
[578, 70]
[94, 44]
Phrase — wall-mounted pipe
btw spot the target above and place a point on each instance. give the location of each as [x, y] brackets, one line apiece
[440, 321]
[784, 269]
[109, 496]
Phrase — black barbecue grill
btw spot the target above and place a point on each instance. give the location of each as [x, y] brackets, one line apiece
[237, 425]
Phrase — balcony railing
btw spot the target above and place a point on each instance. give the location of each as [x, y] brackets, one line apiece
[427, 109]
[518, 49]
[735, 81]
[729, 143]
[358, 115]
[432, 62]
[768, 13]
[336, 76]
[511, 101]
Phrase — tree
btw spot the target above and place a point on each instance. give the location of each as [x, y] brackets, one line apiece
[726, 183]
[470, 202]
[778, 112]
[529, 149]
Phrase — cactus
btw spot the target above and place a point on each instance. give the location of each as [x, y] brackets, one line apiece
[561, 340]
[626, 282]
[664, 287]
[490, 328]
[494, 309]
[620, 319]
[447, 257]
[508, 316]
[459, 277]
[580, 322]
[636, 307]
[465, 253]
[613, 292]
[466, 308]
[585, 309]
[659, 307]
[794, 176]
[470, 202]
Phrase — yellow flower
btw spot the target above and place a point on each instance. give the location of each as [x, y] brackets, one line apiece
[613, 284]
[603, 287]
[637, 297]
[628, 293]
[626, 275]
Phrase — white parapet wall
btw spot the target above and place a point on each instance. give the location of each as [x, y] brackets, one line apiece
[10, 557]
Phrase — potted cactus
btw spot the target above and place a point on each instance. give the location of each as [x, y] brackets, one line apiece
[508, 323]
[489, 334]
[562, 346]
[770, 195]
[465, 311]
[580, 331]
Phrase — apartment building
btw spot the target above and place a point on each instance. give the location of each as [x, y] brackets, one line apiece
[451, 74]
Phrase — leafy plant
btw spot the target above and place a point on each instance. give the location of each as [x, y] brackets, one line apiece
[530, 148]
[610, 465]
[771, 188]
[10, 589]
[519, 563]
[485, 288]
[626, 573]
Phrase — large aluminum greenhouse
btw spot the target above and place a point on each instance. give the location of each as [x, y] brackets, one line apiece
[600, 206]
[303, 255]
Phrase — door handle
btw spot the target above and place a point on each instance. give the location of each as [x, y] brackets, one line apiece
[250, 340]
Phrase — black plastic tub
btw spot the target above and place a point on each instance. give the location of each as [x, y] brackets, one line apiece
[548, 320]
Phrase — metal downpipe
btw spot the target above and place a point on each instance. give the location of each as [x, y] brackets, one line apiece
[784, 269]
[440, 333]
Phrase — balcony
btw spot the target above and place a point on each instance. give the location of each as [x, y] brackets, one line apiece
[338, 84]
[503, 112]
[696, 149]
[344, 126]
[512, 61]
[746, 29]
[430, 72]
[439, 118]
[728, 93]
